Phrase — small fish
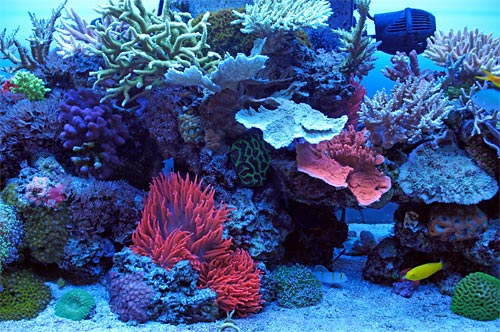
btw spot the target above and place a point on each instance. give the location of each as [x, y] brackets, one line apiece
[328, 278]
[489, 99]
[423, 271]
[490, 77]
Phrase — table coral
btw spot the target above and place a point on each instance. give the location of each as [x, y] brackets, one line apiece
[289, 121]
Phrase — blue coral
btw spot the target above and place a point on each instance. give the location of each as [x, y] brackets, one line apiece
[92, 131]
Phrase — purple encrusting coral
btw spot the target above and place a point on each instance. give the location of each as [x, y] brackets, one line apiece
[130, 297]
[92, 131]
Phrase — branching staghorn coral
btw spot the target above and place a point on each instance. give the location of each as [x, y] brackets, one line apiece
[267, 16]
[75, 35]
[486, 115]
[40, 41]
[414, 111]
[403, 66]
[360, 49]
[140, 47]
[477, 49]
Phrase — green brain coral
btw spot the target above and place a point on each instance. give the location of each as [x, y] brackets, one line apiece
[297, 286]
[477, 296]
[29, 85]
[76, 304]
[23, 296]
[251, 158]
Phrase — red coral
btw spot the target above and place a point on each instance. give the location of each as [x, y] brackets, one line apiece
[236, 281]
[7, 86]
[346, 161]
[353, 103]
[181, 221]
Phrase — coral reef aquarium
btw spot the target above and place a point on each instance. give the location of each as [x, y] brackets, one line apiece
[249, 166]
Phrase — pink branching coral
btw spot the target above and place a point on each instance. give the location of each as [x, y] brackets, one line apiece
[346, 161]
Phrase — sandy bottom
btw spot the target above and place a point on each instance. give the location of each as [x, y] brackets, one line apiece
[355, 306]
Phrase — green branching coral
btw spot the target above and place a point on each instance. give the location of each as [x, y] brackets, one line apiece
[297, 286]
[29, 85]
[359, 48]
[477, 296]
[76, 304]
[23, 296]
[138, 47]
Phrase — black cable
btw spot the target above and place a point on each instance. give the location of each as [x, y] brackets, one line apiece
[160, 7]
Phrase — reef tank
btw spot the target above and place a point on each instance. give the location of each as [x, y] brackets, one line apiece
[249, 166]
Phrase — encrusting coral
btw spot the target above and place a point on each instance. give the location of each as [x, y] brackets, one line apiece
[445, 174]
[453, 222]
[140, 46]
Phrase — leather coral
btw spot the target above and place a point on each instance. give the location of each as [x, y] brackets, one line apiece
[181, 221]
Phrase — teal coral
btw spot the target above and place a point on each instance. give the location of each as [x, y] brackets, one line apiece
[251, 157]
[10, 234]
[477, 296]
[77, 304]
[297, 286]
[137, 58]
[29, 85]
[24, 296]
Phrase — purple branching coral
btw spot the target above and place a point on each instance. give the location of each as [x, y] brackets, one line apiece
[92, 131]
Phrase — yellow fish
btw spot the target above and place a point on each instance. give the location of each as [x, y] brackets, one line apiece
[490, 77]
[329, 278]
[423, 271]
